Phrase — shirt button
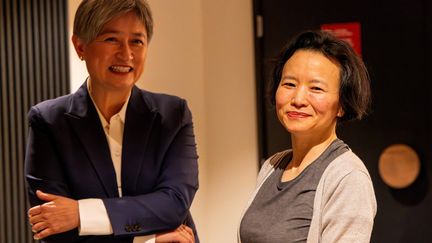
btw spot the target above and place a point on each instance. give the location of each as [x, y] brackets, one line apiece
[117, 153]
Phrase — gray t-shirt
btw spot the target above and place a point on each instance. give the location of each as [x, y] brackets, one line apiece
[282, 211]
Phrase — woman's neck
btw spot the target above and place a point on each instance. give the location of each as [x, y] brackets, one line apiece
[306, 148]
[109, 103]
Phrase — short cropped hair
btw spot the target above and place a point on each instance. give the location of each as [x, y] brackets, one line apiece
[354, 89]
[92, 15]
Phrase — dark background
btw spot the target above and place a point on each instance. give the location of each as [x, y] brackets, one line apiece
[33, 67]
[396, 39]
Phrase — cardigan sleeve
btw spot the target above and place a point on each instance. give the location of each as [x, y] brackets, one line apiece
[349, 208]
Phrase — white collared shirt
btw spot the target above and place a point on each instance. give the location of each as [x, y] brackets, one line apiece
[94, 218]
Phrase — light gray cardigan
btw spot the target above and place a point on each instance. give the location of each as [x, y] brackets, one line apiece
[344, 204]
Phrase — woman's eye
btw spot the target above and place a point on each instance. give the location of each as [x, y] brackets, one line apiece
[315, 88]
[138, 42]
[289, 84]
[110, 39]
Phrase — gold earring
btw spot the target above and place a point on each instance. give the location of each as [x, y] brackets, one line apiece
[81, 58]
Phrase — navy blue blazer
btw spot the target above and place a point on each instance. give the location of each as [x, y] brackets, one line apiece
[68, 154]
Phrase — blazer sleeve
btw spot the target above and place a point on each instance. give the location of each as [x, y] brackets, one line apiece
[42, 164]
[43, 169]
[167, 206]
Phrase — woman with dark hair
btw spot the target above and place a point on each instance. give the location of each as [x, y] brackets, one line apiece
[318, 191]
[112, 162]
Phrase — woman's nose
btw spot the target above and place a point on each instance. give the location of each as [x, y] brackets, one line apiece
[299, 97]
[125, 52]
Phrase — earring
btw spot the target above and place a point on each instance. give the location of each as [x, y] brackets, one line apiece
[81, 58]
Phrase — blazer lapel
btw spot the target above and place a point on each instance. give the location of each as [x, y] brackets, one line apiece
[138, 125]
[85, 121]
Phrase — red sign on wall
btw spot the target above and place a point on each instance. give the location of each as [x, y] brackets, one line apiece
[349, 32]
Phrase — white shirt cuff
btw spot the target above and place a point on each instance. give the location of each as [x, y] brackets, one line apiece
[145, 239]
[94, 218]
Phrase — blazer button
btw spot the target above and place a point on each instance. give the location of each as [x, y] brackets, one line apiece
[137, 227]
[128, 228]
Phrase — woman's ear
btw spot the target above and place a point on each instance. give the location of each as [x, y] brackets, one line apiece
[79, 46]
[340, 112]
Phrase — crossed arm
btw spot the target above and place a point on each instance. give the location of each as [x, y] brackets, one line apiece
[60, 214]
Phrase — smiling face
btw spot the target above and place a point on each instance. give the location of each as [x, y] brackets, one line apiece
[115, 59]
[307, 98]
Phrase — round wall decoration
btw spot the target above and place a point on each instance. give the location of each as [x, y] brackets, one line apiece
[399, 166]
